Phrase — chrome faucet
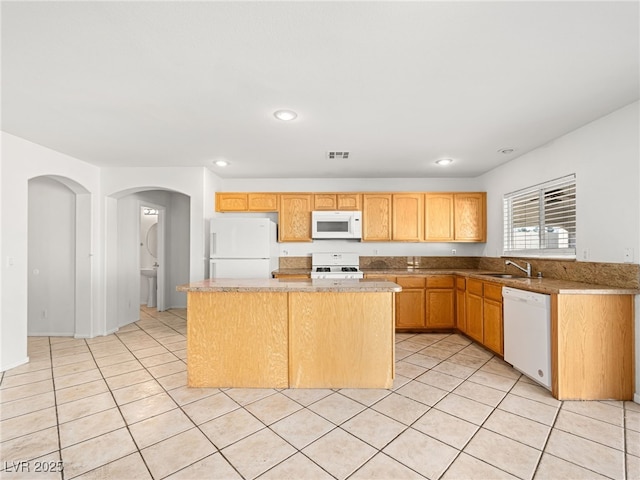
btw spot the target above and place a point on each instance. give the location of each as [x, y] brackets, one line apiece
[525, 270]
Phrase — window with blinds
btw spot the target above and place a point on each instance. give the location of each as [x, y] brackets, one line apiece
[540, 221]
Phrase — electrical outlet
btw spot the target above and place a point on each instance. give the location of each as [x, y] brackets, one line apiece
[453, 251]
[628, 255]
[585, 254]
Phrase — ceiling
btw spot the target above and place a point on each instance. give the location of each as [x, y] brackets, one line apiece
[396, 84]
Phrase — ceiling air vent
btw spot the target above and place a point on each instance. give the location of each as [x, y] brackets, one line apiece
[338, 155]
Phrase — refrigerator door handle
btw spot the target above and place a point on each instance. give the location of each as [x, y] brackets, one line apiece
[213, 244]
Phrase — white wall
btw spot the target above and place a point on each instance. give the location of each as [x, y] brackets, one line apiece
[298, 249]
[51, 258]
[21, 161]
[605, 156]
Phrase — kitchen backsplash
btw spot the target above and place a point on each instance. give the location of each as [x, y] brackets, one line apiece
[626, 275]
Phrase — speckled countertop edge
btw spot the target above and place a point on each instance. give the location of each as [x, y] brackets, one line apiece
[539, 285]
[288, 285]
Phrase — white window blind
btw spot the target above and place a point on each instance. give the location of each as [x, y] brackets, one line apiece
[540, 221]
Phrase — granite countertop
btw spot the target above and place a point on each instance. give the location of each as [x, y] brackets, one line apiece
[539, 285]
[288, 285]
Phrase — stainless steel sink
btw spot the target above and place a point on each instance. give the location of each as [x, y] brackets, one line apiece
[504, 275]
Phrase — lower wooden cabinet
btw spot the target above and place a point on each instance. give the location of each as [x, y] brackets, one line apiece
[461, 316]
[483, 314]
[440, 299]
[410, 303]
[426, 303]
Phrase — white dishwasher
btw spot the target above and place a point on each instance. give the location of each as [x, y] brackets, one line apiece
[527, 333]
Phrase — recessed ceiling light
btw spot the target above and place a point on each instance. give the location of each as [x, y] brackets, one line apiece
[222, 163]
[444, 161]
[285, 115]
[506, 150]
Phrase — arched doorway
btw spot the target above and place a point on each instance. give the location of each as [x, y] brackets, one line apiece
[59, 260]
[125, 281]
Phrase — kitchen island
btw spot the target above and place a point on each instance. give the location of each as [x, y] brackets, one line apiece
[274, 333]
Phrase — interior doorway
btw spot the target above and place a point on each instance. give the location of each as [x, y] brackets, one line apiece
[58, 258]
[152, 259]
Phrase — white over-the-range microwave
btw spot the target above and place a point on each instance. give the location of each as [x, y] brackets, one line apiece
[336, 224]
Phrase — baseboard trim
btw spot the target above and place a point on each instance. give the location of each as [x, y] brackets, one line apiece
[4, 368]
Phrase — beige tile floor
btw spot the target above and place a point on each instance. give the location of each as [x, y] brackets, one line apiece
[116, 407]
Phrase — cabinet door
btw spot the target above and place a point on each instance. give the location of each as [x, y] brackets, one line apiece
[295, 218]
[474, 317]
[438, 217]
[349, 201]
[469, 217]
[376, 217]
[231, 202]
[461, 311]
[325, 201]
[410, 308]
[440, 307]
[407, 216]
[263, 202]
[493, 336]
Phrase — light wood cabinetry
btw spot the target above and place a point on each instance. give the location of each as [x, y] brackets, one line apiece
[376, 217]
[438, 217]
[592, 347]
[461, 315]
[469, 213]
[295, 217]
[407, 216]
[484, 314]
[337, 201]
[410, 302]
[386, 216]
[473, 300]
[341, 340]
[455, 217]
[425, 302]
[246, 202]
[492, 317]
[440, 301]
[291, 276]
[232, 202]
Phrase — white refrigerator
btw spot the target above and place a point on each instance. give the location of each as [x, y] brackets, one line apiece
[243, 248]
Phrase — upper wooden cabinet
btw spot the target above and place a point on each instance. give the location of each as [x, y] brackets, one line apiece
[438, 217]
[455, 217]
[386, 216]
[294, 223]
[337, 201]
[469, 213]
[376, 217]
[407, 215]
[247, 202]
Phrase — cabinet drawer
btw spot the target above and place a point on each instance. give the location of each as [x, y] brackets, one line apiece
[380, 277]
[493, 291]
[461, 283]
[440, 281]
[410, 282]
[474, 286]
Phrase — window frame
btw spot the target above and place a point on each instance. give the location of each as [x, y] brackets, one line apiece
[543, 191]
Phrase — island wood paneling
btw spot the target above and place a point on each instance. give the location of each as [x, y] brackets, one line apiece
[592, 358]
[237, 339]
[341, 340]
